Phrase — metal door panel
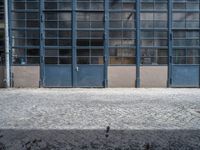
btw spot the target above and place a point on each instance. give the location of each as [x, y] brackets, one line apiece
[90, 76]
[64, 39]
[185, 76]
[90, 48]
[58, 76]
[57, 47]
[184, 48]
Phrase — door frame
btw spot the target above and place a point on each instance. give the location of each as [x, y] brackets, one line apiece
[74, 44]
[170, 53]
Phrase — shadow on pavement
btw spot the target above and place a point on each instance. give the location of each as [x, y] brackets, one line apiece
[11, 139]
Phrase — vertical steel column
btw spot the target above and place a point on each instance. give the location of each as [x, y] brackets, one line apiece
[106, 41]
[42, 53]
[199, 46]
[138, 51]
[74, 44]
[8, 42]
[10, 17]
[7, 46]
[170, 46]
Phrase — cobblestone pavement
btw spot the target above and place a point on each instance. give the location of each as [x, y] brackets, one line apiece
[94, 109]
[97, 108]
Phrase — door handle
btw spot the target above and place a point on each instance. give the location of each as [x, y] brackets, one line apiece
[77, 68]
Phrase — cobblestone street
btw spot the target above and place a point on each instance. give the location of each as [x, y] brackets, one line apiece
[95, 109]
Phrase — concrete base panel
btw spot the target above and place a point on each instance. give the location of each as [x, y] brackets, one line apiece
[1, 76]
[121, 76]
[26, 76]
[153, 76]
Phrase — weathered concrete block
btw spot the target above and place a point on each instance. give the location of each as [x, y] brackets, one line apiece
[153, 76]
[121, 76]
[26, 76]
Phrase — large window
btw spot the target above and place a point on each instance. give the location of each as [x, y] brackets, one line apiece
[90, 31]
[25, 32]
[2, 53]
[57, 29]
[154, 32]
[186, 31]
[122, 31]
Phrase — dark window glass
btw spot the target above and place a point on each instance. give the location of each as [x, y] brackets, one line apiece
[122, 32]
[25, 32]
[154, 35]
[186, 43]
[2, 53]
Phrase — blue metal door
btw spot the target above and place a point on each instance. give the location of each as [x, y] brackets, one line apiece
[185, 76]
[185, 69]
[90, 45]
[56, 21]
[90, 76]
[73, 45]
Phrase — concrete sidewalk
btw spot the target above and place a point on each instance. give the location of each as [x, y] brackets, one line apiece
[166, 112]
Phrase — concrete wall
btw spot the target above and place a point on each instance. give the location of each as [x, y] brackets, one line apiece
[1, 76]
[26, 76]
[118, 76]
[154, 76]
[121, 76]
[125, 76]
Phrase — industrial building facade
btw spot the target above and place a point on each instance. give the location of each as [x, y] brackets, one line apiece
[102, 43]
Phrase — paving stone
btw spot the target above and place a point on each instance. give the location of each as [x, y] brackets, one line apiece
[151, 118]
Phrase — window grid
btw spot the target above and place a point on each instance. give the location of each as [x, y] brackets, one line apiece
[2, 45]
[122, 30]
[90, 32]
[57, 30]
[25, 32]
[186, 32]
[154, 32]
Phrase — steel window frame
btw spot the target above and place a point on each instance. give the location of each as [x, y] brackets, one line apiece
[170, 42]
[171, 45]
[106, 39]
[42, 44]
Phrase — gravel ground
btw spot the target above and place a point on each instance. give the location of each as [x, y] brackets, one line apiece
[138, 118]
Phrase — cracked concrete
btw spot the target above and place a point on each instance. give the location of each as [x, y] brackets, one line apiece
[172, 111]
